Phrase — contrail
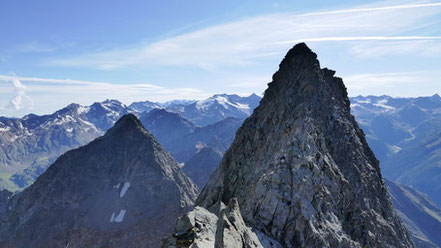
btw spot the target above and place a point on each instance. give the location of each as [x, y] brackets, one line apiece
[410, 6]
[361, 38]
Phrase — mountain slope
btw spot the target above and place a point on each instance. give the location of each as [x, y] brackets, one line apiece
[421, 216]
[121, 190]
[30, 144]
[200, 167]
[218, 136]
[391, 124]
[301, 170]
[418, 165]
[166, 126]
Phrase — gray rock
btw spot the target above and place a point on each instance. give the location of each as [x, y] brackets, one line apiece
[204, 229]
[121, 190]
[301, 169]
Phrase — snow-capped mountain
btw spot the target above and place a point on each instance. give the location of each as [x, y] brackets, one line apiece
[28, 145]
[391, 123]
[145, 106]
[217, 108]
[208, 111]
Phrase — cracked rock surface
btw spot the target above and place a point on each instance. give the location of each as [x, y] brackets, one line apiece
[301, 170]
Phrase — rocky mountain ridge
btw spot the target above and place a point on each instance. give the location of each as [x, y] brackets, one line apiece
[121, 190]
[300, 171]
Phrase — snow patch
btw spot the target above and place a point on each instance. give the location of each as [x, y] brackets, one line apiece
[112, 218]
[120, 216]
[4, 129]
[82, 110]
[69, 130]
[124, 189]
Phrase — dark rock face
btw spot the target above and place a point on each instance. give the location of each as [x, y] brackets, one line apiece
[420, 214]
[121, 190]
[5, 197]
[301, 169]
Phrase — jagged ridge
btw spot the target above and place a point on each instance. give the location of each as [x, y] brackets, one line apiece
[301, 169]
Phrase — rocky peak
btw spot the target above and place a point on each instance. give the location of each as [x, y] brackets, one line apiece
[436, 97]
[127, 124]
[117, 191]
[301, 80]
[300, 167]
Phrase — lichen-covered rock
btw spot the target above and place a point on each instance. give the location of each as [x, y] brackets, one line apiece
[301, 170]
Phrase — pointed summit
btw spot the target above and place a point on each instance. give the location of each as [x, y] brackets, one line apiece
[436, 97]
[301, 80]
[128, 120]
[121, 190]
[128, 123]
[300, 52]
[300, 167]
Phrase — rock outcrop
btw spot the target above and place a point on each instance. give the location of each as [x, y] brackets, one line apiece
[301, 170]
[121, 190]
[222, 227]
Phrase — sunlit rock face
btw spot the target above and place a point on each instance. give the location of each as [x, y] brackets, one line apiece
[300, 170]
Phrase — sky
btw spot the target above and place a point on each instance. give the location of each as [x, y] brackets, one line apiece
[55, 52]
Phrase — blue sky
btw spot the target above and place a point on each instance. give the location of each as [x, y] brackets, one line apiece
[56, 52]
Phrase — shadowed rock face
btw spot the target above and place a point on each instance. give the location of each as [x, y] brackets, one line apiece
[300, 167]
[420, 214]
[121, 190]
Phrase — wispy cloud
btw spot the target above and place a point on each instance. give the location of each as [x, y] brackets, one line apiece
[363, 38]
[424, 47]
[396, 7]
[394, 84]
[34, 47]
[247, 41]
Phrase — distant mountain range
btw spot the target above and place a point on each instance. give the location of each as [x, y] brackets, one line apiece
[206, 112]
[30, 144]
[392, 123]
[405, 134]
